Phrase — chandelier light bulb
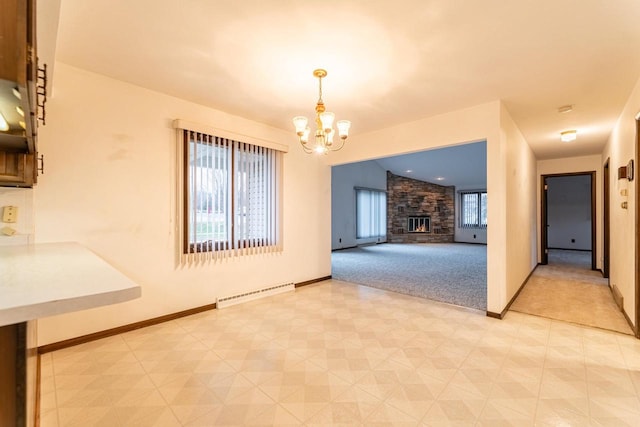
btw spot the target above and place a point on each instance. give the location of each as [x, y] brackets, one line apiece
[327, 121]
[321, 149]
[305, 135]
[300, 122]
[343, 128]
[330, 137]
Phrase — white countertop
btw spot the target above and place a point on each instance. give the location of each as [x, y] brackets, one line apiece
[53, 278]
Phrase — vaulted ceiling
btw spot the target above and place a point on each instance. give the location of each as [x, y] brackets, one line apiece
[388, 62]
[463, 166]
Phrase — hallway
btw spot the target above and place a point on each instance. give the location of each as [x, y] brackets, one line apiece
[567, 289]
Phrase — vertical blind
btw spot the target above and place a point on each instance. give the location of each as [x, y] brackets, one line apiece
[231, 197]
[483, 209]
[371, 213]
[208, 200]
[473, 209]
[255, 196]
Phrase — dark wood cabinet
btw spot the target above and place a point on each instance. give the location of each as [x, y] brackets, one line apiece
[18, 386]
[18, 93]
[17, 169]
[8, 362]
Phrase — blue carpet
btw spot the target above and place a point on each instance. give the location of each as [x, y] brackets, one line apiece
[455, 273]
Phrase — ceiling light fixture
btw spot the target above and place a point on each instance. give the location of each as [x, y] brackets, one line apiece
[440, 178]
[568, 135]
[324, 122]
[565, 108]
[4, 126]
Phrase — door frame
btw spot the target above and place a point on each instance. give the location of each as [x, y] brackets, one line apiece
[637, 229]
[544, 251]
[606, 218]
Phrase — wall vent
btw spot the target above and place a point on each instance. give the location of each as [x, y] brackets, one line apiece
[252, 295]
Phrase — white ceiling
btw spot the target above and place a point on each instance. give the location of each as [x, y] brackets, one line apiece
[388, 61]
[464, 166]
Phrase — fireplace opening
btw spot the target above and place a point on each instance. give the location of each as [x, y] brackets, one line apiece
[419, 224]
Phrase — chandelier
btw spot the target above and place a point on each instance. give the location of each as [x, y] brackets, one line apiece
[324, 122]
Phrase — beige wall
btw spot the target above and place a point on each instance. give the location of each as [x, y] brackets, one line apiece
[570, 165]
[343, 200]
[520, 180]
[22, 198]
[109, 184]
[621, 148]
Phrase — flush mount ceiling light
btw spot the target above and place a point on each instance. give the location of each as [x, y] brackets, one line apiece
[324, 123]
[568, 135]
[565, 108]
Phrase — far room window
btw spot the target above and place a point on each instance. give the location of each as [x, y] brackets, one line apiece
[231, 195]
[371, 213]
[473, 209]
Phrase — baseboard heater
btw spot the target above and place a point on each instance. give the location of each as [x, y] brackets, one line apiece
[617, 296]
[252, 295]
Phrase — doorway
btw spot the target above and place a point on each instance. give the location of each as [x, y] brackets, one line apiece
[568, 215]
[429, 252]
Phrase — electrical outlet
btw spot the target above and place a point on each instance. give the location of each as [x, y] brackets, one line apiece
[10, 214]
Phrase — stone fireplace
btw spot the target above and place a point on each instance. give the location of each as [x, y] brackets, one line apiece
[418, 211]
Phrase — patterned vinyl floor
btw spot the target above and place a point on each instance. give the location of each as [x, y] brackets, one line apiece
[340, 354]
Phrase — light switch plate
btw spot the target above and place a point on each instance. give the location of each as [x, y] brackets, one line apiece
[10, 214]
[7, 231]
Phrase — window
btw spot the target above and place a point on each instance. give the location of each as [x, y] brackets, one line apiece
[473, 209]
[371, 213]
[231, 195]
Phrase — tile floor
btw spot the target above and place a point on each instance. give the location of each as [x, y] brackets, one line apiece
[567, 289]
[336, 354]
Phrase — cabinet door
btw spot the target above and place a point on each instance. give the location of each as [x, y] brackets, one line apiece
[8, 385]
[19, 70]
[18, 370]
[17, 169]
